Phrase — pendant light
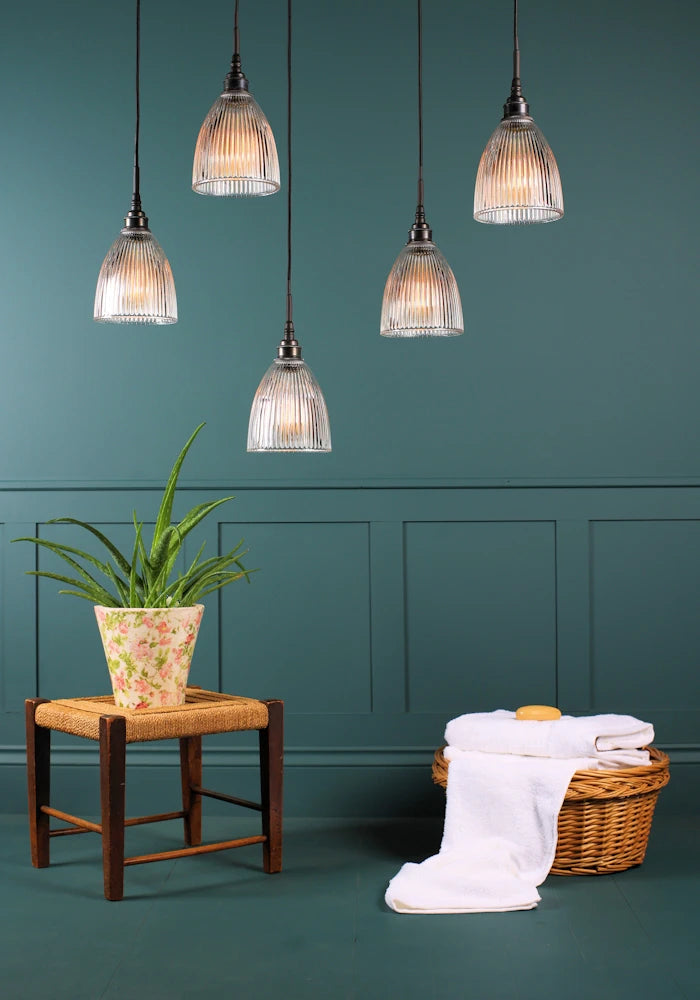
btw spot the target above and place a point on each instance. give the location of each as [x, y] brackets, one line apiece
[235, 155]
[421, 298]
[518, 178]
[135, 284]
[289, 412]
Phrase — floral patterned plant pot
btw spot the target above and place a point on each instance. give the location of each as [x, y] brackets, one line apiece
[149, 651]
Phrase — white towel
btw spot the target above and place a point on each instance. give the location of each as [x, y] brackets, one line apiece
[606, 760]
[501, 732]
[499, 841]
[507, 781]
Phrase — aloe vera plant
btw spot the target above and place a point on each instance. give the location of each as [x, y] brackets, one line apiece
[144, 581]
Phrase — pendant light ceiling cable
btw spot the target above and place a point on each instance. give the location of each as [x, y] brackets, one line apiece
[518, 178]
[236, 155]
[135, 284]
[421, 297]
[136, 193]
[420, 211]
[289, 321]
[289, 412]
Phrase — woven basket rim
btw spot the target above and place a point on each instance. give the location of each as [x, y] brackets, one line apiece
[614, 783]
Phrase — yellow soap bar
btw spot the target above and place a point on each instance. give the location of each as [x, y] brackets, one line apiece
[540, 713]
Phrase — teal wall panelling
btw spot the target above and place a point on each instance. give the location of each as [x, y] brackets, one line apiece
[388, 617]
[378, 614]
[645, 611]
[573, 613]
[304, 627]
[18, 647]
[481, 614]
[507, 514]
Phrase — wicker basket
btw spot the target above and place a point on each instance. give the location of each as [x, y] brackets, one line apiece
[605, 819]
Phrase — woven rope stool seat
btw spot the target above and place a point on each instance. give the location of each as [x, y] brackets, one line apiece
[204, 713]
[605, 819]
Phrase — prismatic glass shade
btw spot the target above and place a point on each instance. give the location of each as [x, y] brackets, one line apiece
[421, 298]
[135, 284]
[236, 155]
[289, 412]
[518, 178]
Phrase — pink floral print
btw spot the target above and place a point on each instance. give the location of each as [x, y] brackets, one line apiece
[149, 653]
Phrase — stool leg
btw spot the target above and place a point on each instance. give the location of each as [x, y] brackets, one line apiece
[38, 783]
[191, 774]
[271, 776]
[112, 793]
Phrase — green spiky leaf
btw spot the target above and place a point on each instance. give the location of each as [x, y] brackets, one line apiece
[166, 506]
[110, 546]
[87, 577]
[132, 576]
[96, 594]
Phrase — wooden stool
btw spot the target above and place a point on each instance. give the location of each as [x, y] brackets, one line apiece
[204, 712]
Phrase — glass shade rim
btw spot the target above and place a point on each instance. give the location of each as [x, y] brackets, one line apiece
[130, 318]
[417, 332]
[487, 215]
[267, 186]
[289, 451]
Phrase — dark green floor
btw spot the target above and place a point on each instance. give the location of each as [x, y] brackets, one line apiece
[217, 927]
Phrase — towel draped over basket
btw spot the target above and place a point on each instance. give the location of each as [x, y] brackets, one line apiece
[514, 816]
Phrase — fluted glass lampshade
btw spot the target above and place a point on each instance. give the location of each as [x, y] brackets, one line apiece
[236, 155]
[518, 178]
[289, 412]
[421, 298]
[135, 284]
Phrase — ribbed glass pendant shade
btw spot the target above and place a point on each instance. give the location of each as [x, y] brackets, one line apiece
[289, 412]
[518, 178]
[421, 298]
[135, 284]
[236, 155]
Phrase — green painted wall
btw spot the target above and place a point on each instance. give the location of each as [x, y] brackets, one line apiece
[506, 516]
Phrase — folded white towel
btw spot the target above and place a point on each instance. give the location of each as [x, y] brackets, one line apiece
[499, 841]
[500, 732]
[607, 760]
